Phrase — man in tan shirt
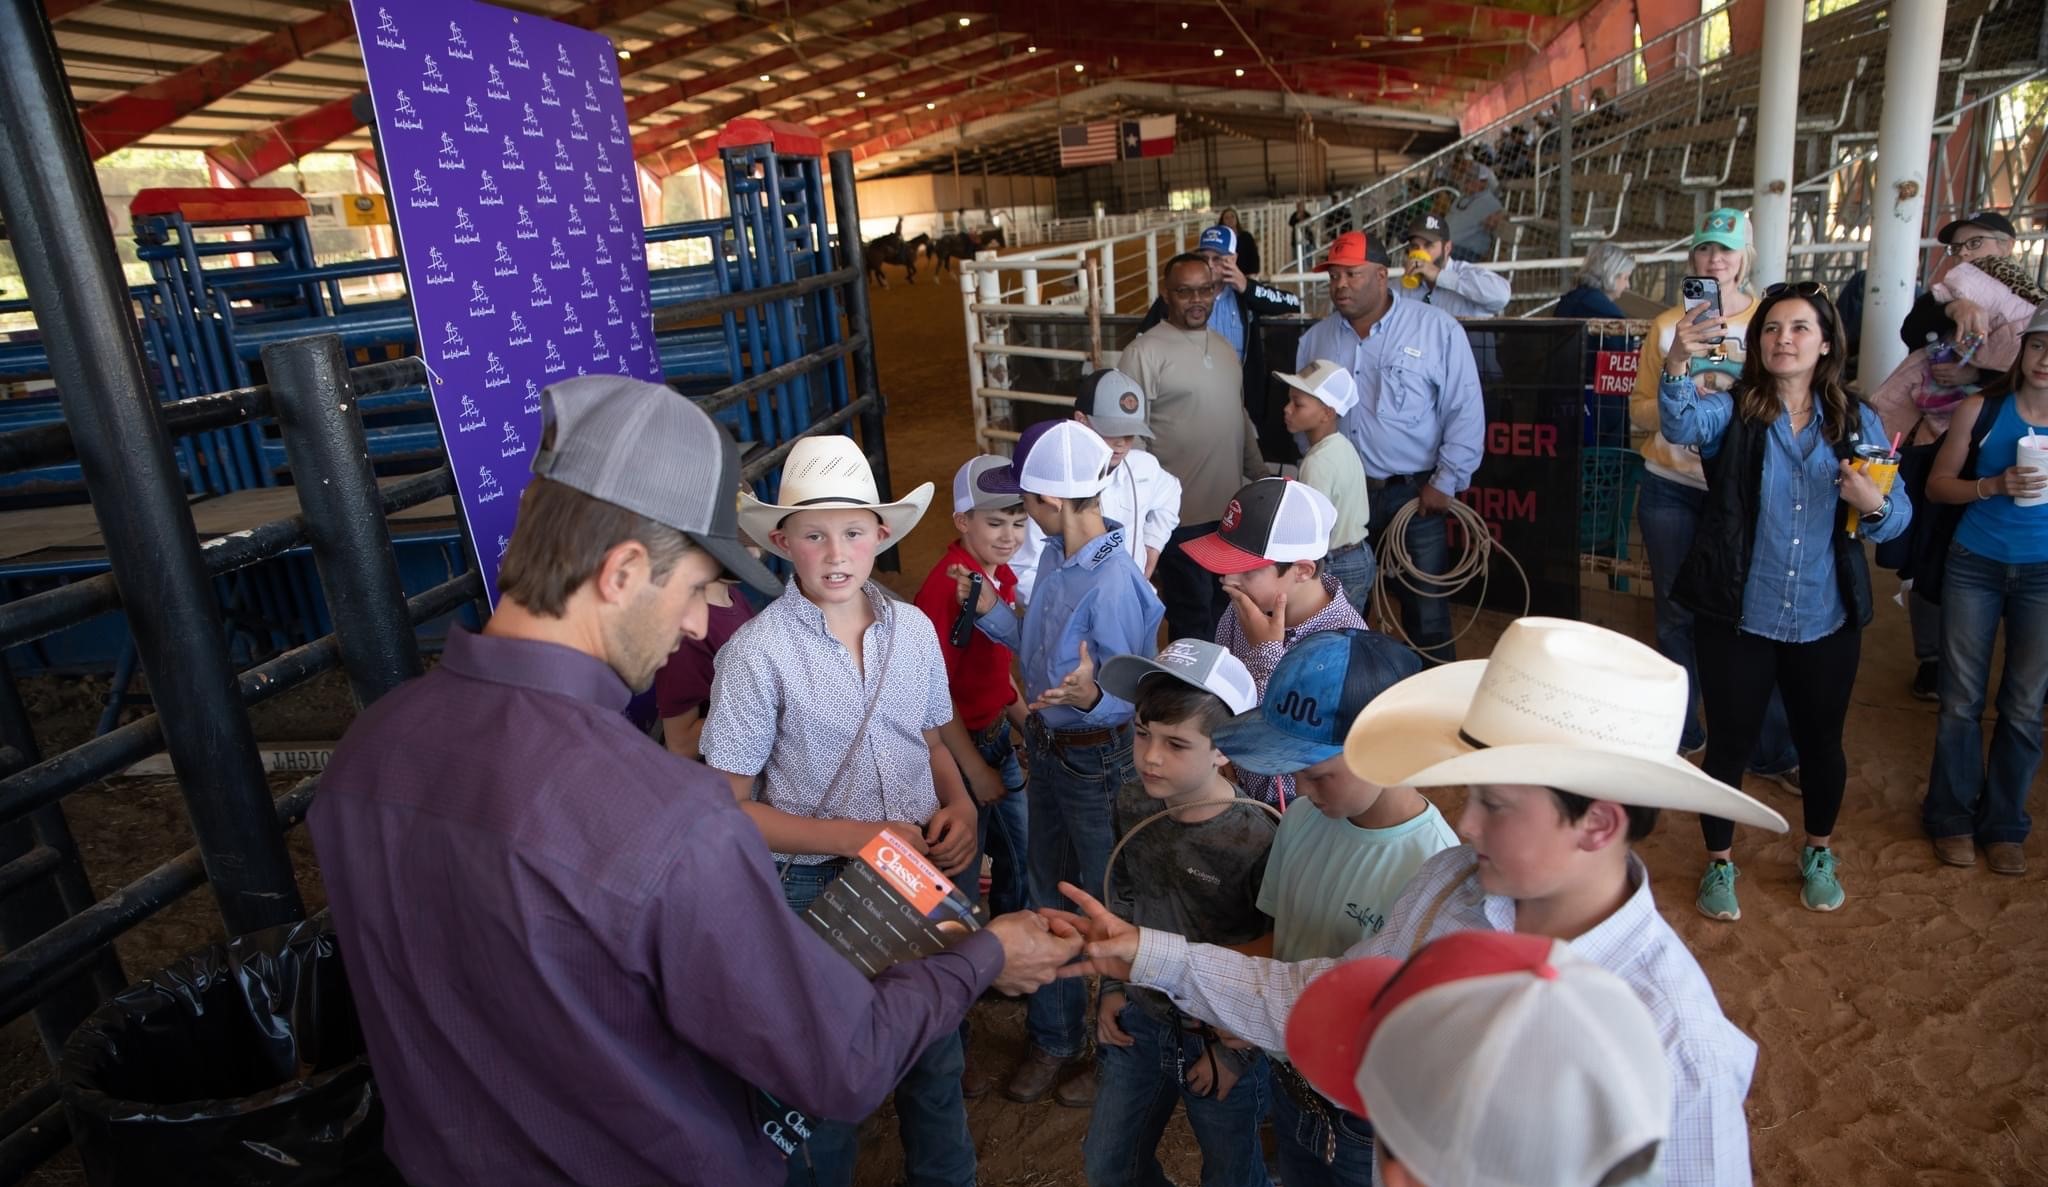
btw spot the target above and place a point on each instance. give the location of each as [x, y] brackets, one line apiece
[1201, 434]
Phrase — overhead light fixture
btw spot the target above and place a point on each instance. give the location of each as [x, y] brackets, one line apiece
[860, 94]
[1183, 24]
[764, 78]
[1240, 72]
[1219, 53]
[931, 106]
[1030, 49]
[1079, 68]
[625, 54]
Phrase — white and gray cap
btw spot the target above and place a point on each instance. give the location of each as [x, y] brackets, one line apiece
[1199, 662]
[649, 449]
[1113, 403]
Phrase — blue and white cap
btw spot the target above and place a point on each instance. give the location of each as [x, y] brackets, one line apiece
[1218, 238]
[1320, 685]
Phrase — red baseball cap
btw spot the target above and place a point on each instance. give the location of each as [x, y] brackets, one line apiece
[1351, 249]
[1333, 1023]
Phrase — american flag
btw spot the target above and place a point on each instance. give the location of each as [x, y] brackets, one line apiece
[1088, 144]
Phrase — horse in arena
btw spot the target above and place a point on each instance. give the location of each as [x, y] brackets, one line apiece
[961, 245]
[894, 249]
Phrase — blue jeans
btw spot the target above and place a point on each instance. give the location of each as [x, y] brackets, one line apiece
[1136, 1090]
[1965, 795]
[1355, 568]
[1669, 513]
[1003, 828]
[1426, 618]
[1304, 1137]
[931, 1115]
[1070, 791]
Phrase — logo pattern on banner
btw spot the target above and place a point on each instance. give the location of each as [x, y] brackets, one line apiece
[519, 197]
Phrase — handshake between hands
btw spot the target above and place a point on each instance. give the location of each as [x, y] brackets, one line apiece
[1041, 946]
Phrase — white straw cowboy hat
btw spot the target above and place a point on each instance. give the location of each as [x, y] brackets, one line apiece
[1560, 704]
[829, 472]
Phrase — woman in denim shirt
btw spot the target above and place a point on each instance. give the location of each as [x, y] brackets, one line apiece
[1779, 589]
[1997, 569]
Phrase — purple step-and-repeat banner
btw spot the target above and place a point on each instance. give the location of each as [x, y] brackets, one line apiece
[512, 183]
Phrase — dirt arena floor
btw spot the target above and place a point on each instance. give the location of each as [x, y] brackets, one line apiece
[1902, 1038]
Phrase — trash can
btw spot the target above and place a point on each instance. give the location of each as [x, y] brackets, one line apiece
[241, 1065]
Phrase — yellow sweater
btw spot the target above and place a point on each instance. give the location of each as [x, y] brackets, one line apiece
[1661, 457]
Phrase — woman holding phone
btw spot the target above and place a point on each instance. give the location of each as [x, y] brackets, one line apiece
[1997, 569]
[1777, 578]
[1674, 487]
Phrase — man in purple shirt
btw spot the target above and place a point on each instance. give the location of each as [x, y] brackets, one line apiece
[568, 947]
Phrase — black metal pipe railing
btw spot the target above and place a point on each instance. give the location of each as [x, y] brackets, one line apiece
[866, 383]
[41, 614]
[323, 438]
[26, 972]
[734, 302]
[35, 1129]
[56, 221]
[776, 376]
[761, 463]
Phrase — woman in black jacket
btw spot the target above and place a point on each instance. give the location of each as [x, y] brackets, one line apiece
[1777, 579]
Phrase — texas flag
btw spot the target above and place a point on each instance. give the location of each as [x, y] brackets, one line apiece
[1151, 136]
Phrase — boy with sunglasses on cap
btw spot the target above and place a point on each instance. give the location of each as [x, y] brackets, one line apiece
[1189, 860]
[1491, 1057]
[1092, 603]
[1140, 494]
[1567, 741]
[1268, 550]
[826, 718]
[1340, 860]
[1317, 400]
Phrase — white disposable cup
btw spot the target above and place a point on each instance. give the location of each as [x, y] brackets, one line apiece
[2032, 456]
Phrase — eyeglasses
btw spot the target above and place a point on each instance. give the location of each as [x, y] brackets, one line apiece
[1974, 243]
[1800, 288]
[1190, 291]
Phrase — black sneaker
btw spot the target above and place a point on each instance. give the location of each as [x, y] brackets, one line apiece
[1926, 681]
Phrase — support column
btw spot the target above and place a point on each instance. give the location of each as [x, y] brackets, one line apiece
[1777, 116]
[1899, 198]
[58, 225]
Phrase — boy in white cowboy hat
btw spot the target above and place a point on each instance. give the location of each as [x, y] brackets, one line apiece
[825, 719]
[1092, 603]
[1567, 740]
[1491, 1057]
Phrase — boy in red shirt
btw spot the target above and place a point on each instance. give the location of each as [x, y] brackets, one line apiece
[988, 511]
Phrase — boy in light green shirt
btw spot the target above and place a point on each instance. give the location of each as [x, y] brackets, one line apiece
[1322, 393]
[1339, 861]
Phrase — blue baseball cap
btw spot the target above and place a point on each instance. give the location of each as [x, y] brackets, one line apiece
[1320, 686]
[1218, 238]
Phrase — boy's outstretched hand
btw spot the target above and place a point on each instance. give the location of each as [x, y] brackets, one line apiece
[963, 583]
[1077, 691]
[1112, 943]
[1033, 948]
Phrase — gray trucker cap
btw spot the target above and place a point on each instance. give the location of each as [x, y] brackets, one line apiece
[651, 450]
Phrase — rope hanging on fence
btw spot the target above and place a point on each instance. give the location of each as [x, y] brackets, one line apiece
[1475, 563]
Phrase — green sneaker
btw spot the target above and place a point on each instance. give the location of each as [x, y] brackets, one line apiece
[1717, 891]
[1821, 891]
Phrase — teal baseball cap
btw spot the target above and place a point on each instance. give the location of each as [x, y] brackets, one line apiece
[1320, 685]
[1727, 226]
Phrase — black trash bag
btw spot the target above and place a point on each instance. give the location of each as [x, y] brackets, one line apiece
[241, 1065]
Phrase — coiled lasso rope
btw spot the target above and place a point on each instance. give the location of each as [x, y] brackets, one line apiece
[1475, 563]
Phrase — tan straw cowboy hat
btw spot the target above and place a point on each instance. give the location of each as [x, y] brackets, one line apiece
[829, 472]
[1560, 704]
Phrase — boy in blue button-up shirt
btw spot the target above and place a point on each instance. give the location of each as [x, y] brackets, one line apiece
[1091, 603]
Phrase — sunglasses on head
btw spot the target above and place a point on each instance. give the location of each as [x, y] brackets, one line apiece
[1800, 288]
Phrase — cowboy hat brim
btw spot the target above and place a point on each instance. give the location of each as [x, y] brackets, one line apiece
[1410, 735]
[759, 520]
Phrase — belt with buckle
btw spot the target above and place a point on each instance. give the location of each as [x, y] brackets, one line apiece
[986, 735]
[1372, 483]
[1308, 1100]
[1075, 739]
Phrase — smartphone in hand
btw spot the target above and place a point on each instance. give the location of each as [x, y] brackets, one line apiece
[1699, 291]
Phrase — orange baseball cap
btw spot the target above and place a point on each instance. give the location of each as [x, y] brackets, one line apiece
[1351, 249]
